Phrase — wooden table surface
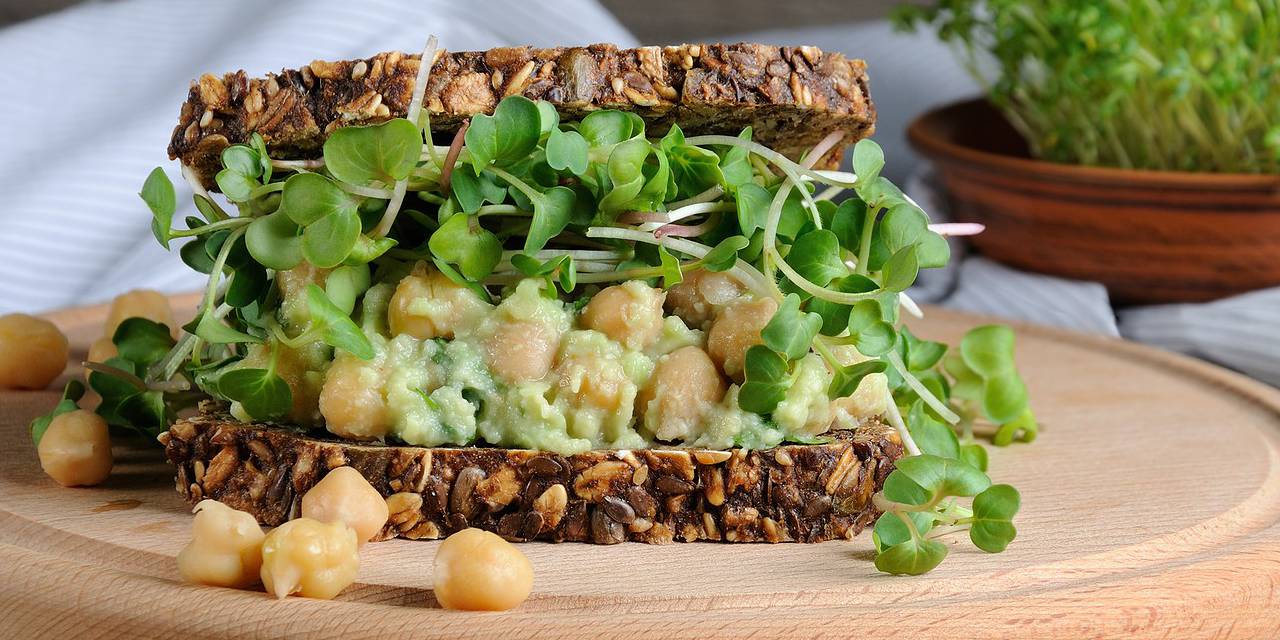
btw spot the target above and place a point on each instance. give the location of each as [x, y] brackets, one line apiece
[1150, 508]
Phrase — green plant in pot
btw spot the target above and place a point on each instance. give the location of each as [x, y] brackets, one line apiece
[1131, 142]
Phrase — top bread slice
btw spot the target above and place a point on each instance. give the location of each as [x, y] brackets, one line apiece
[792, 97]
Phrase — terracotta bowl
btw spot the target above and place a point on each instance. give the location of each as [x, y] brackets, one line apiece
[1149, 236]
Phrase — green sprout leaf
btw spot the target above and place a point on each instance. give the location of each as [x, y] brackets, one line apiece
[345, 284]
[368, 249]
[158, 193]
[214, 331]
[912, 558]
[892, 530]
[337, 328]
[249, 284]
[275, 241]
[567, 150]
[974, 455]
[71, 395]
[263, 394]
[816, 256]
[235, 186]
[767, 380]
[791, 331]
[735, 166]
[753, 207]
[694, 169]
[142, 341]
[988, 350]
[551, 214]
[992, 529]
[463, 242]
[725, 254]
[507, 136]
[671, 274]
[243, 160]
[868, 160]
[938, 475]
[846, 379]
[932, 436]
[835, 316]
[900, 271]
[474, 191]
[311, 197]
[328, 241]
[385, 152]
[603, 129]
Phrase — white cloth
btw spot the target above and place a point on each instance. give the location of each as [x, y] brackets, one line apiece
[93, 93]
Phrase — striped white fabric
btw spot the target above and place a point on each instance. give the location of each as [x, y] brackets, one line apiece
[92, 94]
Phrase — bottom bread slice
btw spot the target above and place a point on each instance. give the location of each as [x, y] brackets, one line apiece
[794, 492]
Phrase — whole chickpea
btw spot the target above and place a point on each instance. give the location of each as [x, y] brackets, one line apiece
[344, 495]
[736, 329]
[629, 313]
[33, 352]
[521, 351]
[139, 303]
[76, 449]
[102, 349]
[351, 400]
[683, 384]
[310, 558]
[427, 304]
[478, 571]
[225, 548]
[696, 299]
[591, 380]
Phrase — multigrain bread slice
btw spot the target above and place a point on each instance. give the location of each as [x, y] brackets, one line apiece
[794, 492]
[791, 96]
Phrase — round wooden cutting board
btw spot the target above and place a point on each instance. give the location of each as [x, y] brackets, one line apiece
[1150, 509]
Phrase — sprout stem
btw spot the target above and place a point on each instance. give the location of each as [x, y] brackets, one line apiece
[895, 420]
[419, 89]
[934, 403]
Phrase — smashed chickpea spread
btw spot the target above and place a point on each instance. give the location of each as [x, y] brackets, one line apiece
[532, 371]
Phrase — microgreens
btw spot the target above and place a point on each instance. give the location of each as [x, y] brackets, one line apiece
[521, 194]
[1184, 85]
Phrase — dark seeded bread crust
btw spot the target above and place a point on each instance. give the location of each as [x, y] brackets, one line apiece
[792, 96]
[800, 493]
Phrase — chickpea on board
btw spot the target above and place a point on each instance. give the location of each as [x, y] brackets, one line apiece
[33, 352]
[225, 548]
[343, 495]
[75, 449]
[477, 570]
[309, 558]
[139, 303]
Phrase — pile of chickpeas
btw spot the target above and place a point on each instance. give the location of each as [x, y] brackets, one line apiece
[75, 449]
[317, 555]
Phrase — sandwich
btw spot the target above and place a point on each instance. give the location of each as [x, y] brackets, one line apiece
[574, 294]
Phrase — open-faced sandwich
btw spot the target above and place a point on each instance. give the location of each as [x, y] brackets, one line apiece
[574, 294]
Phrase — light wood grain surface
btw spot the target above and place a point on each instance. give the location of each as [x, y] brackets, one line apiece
[1150, 509]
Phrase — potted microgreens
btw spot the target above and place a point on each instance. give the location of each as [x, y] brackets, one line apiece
[1133, 143]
